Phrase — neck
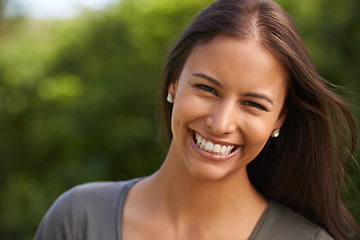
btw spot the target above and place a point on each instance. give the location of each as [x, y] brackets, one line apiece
[181, 206]
[185, 197]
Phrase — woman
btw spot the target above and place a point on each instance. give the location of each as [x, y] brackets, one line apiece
[238, 75]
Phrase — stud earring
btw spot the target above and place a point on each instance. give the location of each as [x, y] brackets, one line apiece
[275, 133]
[170, 98]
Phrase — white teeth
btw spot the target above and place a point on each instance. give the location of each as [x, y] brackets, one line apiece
[216, 149]
[202, 145]
[198, 138]
[209, 146]
[223, 150]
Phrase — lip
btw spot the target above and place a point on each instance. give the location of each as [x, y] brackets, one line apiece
[211, 156]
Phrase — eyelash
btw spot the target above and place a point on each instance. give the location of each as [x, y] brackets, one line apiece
[254, 104]
[213, 91]
[206, 88]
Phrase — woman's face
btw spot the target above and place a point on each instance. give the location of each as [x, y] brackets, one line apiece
[228, 101]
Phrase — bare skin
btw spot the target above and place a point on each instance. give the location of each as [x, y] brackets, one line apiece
[197, 195]
[178, 209]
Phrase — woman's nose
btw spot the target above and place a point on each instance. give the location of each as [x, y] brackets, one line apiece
[222, 119]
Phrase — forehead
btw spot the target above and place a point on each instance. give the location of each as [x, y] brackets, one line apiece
[242, 61]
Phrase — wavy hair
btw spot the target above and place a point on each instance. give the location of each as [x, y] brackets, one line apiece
[304, 167]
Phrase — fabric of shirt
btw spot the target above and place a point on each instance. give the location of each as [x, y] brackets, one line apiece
[94, 211]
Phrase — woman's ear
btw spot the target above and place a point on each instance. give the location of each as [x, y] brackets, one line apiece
[281, 118]
[173, 88]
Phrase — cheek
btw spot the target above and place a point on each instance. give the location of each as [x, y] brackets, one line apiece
[184, 110]
[189, 105]
[257, 131]
[189, 111]
[256, 135]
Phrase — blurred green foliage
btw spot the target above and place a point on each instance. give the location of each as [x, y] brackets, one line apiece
[77, 96]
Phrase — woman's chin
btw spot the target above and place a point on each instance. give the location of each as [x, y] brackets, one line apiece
[208, 172]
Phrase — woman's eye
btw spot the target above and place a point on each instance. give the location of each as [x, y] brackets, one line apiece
[206, 88]
[255, 105]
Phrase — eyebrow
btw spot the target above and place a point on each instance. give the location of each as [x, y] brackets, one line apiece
[257, 95]
[210, 79]
[248, 94]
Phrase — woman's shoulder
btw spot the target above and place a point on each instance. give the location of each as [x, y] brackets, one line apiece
[280, 222]
[98, 191]
[85, 208]
[101, 194]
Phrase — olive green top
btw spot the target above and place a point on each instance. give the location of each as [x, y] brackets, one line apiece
[94, 211]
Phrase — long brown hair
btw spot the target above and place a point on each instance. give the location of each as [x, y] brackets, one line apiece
[304, 167]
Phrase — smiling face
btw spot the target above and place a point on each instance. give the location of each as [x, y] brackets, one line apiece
[228, 101]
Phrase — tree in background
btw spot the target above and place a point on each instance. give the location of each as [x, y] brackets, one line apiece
[77, 96]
